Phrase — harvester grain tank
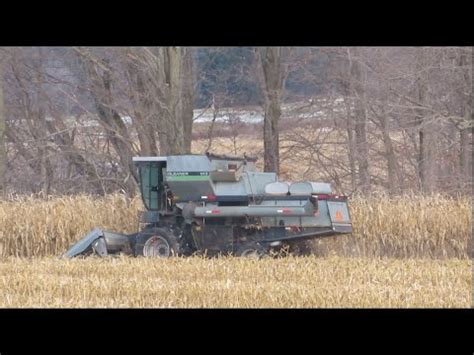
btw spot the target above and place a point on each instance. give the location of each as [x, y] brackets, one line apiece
[220, 204]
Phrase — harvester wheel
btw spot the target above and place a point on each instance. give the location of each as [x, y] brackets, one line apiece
[251, 250]
[160, 243]
[301, 248]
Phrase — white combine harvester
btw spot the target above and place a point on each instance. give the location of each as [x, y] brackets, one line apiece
[220, 204]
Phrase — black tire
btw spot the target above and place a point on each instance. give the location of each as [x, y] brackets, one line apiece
[251, 250]
[302, 248]
[156, 243]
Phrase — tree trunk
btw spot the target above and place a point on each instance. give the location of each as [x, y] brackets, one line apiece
[144, 113]
[187, 97]
[210, 134]
[351, 147]
[116, 130]
[175, 100]
[465, 154]
[392, 166]
[271, 62]
[3, 153]
[44, 150]
[466, 127]
[426, 140]
[360, 121]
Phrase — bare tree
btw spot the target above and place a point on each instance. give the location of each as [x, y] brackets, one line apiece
[351, 143]
[380, 112]
[142, 101]
[466, 125]
[168, 76]
[210, 133]
[3, 153]
[73, 118]
[26, 70]
[187, 97]
[393, 172]
[272, 83]
[99, 73]
[357, 82]
[167, 73]
[423, 148]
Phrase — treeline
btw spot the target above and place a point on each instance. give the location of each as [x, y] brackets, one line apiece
[229, 74]
[72, 118]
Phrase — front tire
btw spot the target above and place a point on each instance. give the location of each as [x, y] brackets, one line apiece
[251, 250]
[158, 243]
[301, 248]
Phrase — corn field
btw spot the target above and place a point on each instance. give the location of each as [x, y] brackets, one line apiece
[401, 227]
[408, 251]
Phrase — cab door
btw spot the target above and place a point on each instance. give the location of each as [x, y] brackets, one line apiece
[151, 184]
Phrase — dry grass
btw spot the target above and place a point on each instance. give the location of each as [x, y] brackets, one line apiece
[36, 227]
[427, 232]
[406, 227]
[235, 282]
[411, 226]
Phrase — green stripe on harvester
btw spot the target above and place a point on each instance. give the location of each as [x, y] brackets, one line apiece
[187, 178]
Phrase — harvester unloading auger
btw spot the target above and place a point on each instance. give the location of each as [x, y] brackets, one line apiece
[220, 204]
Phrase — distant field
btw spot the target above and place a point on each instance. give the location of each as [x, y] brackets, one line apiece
[235, 282]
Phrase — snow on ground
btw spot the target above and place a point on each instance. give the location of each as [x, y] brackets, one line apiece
[309, 109]
[302, 109]
[225, 115]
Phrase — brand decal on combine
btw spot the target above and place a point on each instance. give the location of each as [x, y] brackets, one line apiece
[187, 175]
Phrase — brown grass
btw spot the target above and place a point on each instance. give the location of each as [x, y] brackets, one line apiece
[235, 282]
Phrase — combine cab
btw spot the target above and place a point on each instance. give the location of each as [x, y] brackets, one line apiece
[214, 204]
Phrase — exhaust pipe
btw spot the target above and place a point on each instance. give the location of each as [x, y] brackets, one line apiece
[254, 211]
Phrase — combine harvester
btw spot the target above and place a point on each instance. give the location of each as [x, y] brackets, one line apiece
[220, 204]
